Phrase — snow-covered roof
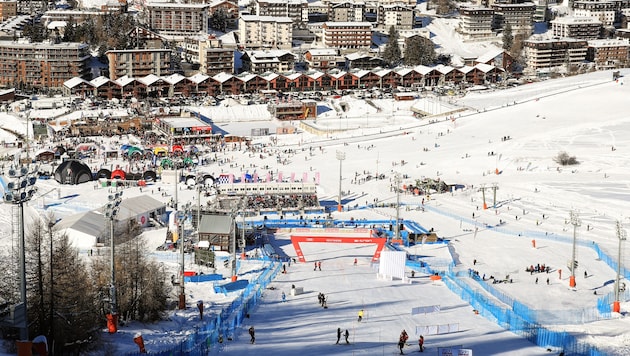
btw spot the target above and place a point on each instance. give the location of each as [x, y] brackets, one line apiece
[142, 204]
[490, 55]
[222, 77]
[246, 77]
[124, 80]
[358, 55]
[98, 81]
[149, 79]
[360, 73]
[337, 74]
[315, 74]
[444, 69]
[382, 72]
[256, 18]
[269, 76]
[485, 67]
[293, 76]
[198, 78]
[322, 51]
[465, 69]
[91, 223]
[424, 70]
[74, 82]
[403, 71]
[174, 78]
[56, 24]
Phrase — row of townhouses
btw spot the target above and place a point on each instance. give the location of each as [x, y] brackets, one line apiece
[224, 83]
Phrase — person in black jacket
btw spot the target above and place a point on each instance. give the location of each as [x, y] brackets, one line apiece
[252, 334]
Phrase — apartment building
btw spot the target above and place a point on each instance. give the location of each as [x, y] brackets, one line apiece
[393, 2]
[399, 16]
[318, 12]
[346, 11]
[229, 8]
[347, 35]
[553, 53]
[257, 32]
[76, 16]
[177, 19]
[277, 61]
[608, 53]
[585, 28]
[138, 62]
[8, 9]
[519, 16]
[476, 22]
[212, 55]
[323, 58]
[604, 11]
[296, 10]
[42, 65]
[30, 7]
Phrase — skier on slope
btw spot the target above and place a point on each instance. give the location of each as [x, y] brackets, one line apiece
[346, 335]
[338, 335]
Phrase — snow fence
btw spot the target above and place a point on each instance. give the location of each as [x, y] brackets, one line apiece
[218, 329]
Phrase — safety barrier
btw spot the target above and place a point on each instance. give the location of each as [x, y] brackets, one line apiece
[221, 327]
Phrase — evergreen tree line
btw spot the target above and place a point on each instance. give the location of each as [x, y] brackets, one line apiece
[418, 51]
[68, 294]
[110, 31]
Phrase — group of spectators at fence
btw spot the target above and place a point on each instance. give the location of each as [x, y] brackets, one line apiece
[281, 201]
[538, 268]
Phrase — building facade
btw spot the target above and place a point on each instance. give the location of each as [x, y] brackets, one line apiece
[476, 22]
[608, 54]
[585, 28]
[277, 61]
[178, 19]
[322, 58]
[346, 11]
[42, 65]
[604, 11]
[399, 16]
[519, 16]
[138, 62]
[347, 35]
[296, 10]
[257, 32]
[547, 54]
[8, 9]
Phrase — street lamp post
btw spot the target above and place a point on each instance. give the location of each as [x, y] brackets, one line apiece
[51, 329]
[181, 217]
[243, 231]
[621, 235]
[397, 186]
[111, 210]
[340, 156]
[233, 237]
[20, 191]
[575, 221]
